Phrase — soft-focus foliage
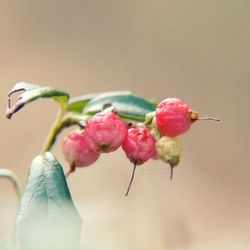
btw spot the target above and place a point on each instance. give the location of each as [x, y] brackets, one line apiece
[47, 218]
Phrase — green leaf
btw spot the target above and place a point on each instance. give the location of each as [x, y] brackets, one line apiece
[32, 92]
[127, 105]
[77, 104]
[47, 218]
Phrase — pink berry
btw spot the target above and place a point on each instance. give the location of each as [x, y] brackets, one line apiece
[139, 146]
[77, 151]
[172, 117]
[105, 132]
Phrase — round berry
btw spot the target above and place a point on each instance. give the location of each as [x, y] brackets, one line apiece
[169, 150]
[105, 131]
[77, 151]
[172, 117]
[139, 145]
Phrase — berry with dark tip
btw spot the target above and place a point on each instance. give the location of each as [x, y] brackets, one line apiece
[139, 146]
[77, 150]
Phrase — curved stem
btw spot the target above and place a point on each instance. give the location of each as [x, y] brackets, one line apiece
[132, 178]
[63, 120]
[71, 170]
[8, 174]
[55, 129]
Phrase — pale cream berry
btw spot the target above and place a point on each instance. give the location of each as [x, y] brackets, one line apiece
[169, 150]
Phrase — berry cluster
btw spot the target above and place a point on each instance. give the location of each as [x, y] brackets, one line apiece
[155, 138]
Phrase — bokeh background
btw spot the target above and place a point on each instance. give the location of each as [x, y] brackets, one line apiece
[198, 51]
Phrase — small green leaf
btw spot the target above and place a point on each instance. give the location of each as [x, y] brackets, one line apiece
[47, 218]
[31, 93]
[77, 104]
[127, 105]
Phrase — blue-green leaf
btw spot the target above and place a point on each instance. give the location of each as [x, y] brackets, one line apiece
[127, 105]
[32, 92]
[47, 218]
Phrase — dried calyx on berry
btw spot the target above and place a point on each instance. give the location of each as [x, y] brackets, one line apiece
[105, 131]
[139, 146]
[174, 117]
[77, 150]
[150, 122]
[169, 150]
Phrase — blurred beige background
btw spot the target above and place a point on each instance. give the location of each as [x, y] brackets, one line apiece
[195, 50]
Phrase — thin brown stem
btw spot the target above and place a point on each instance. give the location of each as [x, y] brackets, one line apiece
[132, 178]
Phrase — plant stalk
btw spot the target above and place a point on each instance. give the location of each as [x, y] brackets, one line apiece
[64, 119]
[8, 174]
[55, 129]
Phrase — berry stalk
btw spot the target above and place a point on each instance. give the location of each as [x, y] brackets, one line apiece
[131, 179]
